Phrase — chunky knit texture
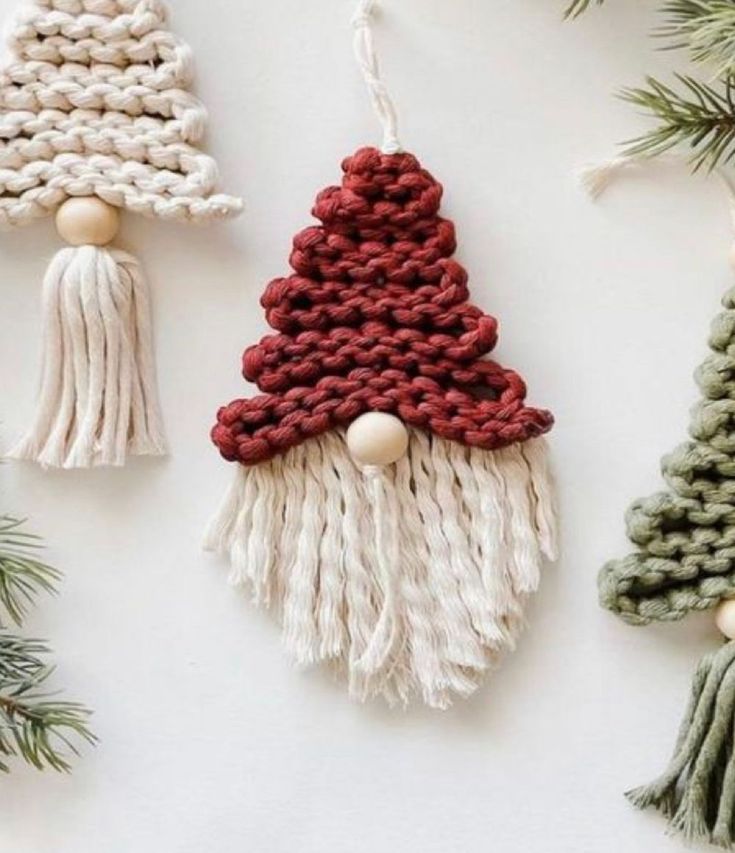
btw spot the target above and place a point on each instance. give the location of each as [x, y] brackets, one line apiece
[375, 318]
[95, 102]
[686, 535]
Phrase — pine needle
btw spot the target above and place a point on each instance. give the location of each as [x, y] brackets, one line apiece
[694, 115]
[22, 575]
[700, 118]
[706, 28]
[34, 726]
[576, 7]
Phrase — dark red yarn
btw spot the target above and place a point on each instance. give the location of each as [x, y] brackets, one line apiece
[375, 318]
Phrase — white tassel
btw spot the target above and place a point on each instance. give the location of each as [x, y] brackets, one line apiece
[386, 633]
[542, 488]
[300, 602]
[330, 621]
[360, 609]
[456, 524]
[521, 533]
[463, 645]
[492, 537]
[98, 399]
[409, 579]
[597, 177]
[429, 672]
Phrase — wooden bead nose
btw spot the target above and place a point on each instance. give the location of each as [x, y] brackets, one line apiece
[87, 221]
[725, 618]
[377, 438]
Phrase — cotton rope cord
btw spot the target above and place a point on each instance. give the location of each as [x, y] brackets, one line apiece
[94, 101]
[367, 59]
[385, 514]
[407, 579]
[596, 177]
[98, 398]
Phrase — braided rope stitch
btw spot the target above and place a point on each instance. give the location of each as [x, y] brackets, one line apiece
[375, 317]
[95, 101]
[685, 537]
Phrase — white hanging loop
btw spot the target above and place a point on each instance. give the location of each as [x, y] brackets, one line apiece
[597, 177]
[368, 61]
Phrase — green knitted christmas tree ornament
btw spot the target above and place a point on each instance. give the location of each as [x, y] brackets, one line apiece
[684, 561]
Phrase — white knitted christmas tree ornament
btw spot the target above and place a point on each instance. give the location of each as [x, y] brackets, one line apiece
[95, 116]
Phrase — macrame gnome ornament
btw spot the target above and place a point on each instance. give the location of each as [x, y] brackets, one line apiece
[392, 502]
[95, 118]
[684, 561]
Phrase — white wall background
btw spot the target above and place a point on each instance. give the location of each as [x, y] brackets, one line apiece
[210, 741]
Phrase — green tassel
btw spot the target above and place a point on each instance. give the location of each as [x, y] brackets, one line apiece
[697, 790]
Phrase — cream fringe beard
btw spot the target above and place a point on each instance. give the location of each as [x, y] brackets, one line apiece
[98, 399]
[409, 579]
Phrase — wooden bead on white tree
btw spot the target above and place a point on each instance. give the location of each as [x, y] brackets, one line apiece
[87, 221]
[377, 438]
[725, 618]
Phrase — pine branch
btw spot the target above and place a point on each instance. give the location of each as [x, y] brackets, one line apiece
[33, 726]
[706, 28]
[576, 7]
[696, 115]
[701, 118]
[22, 576]
[20, 658]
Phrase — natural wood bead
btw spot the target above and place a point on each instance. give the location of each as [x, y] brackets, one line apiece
[87, 221]
[725, 618]
[377, 438]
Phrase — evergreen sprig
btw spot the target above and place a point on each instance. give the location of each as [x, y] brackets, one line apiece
[22, 576]
[576, 7]
[701, 118]
[33, 725]
[696, 115]
[706, 28]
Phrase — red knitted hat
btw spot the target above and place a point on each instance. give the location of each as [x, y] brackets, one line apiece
[375, 317]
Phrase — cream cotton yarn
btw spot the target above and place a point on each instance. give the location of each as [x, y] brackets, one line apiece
[94, 104]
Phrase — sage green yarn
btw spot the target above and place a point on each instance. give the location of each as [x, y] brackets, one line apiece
[685, 536]
[697, 790]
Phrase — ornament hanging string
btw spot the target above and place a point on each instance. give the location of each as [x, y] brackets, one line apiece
[367, 59]
[596, 177]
